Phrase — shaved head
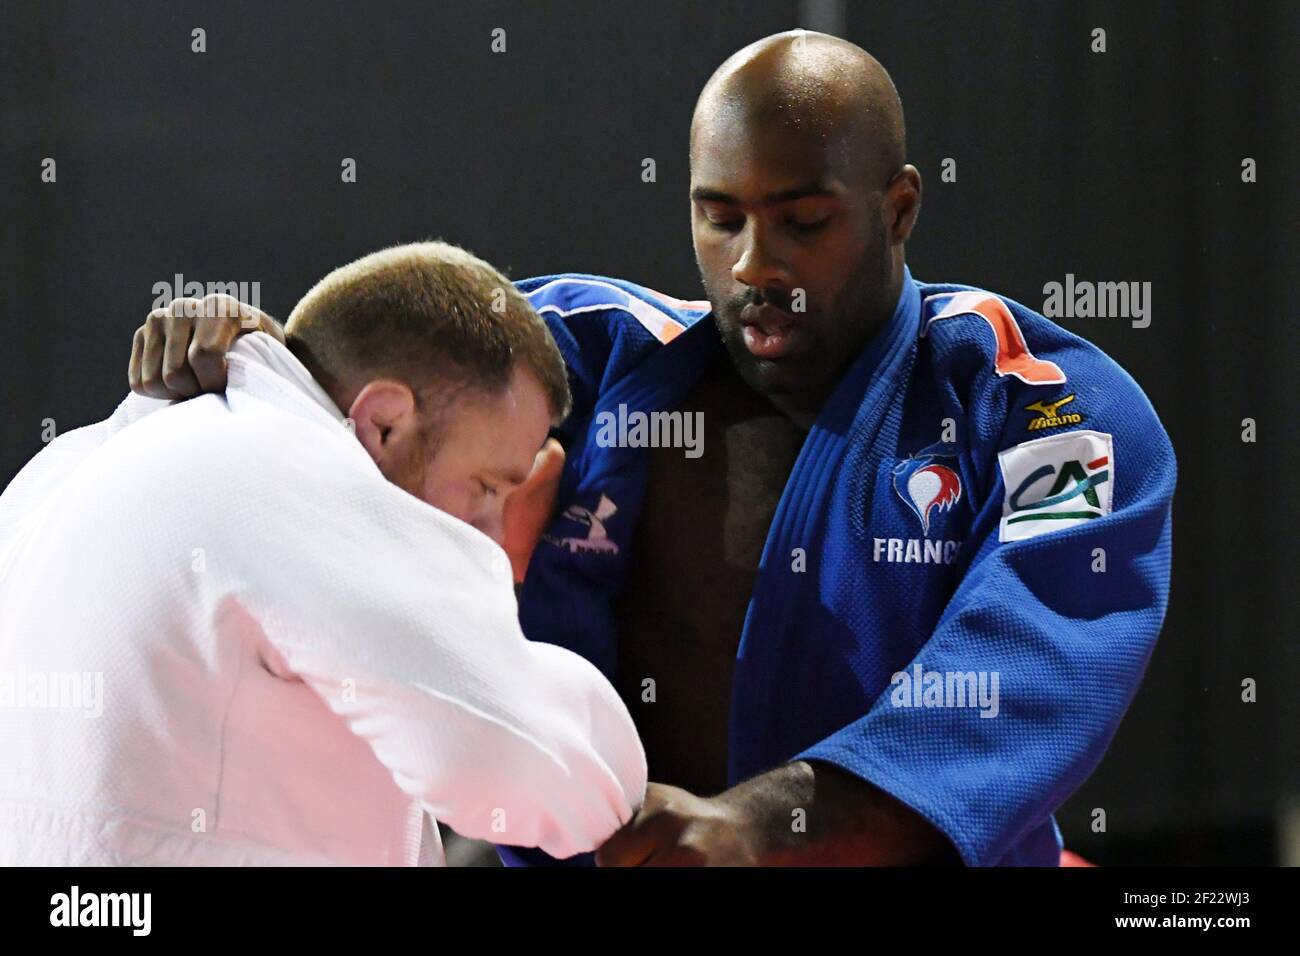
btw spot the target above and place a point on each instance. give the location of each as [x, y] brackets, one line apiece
[811, 85]
[801, 201]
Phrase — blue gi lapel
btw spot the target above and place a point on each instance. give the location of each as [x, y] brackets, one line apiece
[565, 599]
[660, 382]
[857, 407]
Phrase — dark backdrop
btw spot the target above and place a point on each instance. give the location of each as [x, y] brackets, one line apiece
[1122, 165]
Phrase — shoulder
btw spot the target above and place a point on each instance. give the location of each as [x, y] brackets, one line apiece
[1034, 395]
[994, 337]
[238, 441]
[606, 327]
[613, 303]
[253, 472]
[991, 347]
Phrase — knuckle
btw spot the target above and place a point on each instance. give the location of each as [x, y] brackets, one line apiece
[173, 378]
[211, 325]
[207, 363]
[204, 351]
[185, 308]
[221, 305]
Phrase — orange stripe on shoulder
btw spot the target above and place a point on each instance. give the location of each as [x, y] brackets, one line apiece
[1013, 356]
[689, 305]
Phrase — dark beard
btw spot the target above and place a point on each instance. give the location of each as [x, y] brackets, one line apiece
[857, 314]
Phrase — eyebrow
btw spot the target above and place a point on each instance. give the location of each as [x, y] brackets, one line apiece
[705, 194]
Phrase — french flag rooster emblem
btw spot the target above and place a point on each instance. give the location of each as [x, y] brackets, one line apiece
[924, 485]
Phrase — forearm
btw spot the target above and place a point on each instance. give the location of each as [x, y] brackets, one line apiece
[813, 813]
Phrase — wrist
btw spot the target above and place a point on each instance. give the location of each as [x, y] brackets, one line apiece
[772, 809]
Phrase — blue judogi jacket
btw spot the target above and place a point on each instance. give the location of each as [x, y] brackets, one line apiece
[964, 578]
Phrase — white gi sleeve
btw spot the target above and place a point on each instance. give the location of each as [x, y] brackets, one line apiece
[404, 620]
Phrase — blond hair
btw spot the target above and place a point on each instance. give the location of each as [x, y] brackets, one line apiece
[430, 314]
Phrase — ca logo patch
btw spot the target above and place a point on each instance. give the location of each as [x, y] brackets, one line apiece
[1056, 482]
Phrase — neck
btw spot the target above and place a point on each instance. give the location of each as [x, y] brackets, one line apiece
[339, 394]
[799, 409]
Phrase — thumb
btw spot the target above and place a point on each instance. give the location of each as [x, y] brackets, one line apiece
[529, 507]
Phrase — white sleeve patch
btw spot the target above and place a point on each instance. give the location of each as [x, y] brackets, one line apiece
[1055, 482]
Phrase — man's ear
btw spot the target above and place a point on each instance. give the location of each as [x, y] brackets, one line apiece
[902, 204]
[385, 419]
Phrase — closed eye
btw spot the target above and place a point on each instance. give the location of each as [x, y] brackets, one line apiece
[725, 225]
[720, 216]
[807, 228]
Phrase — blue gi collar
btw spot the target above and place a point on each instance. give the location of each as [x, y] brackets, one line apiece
[855, 412]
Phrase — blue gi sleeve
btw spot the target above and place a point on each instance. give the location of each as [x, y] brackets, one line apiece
[1062, 600]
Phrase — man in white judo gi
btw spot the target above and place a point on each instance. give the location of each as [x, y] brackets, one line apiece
[291, 606]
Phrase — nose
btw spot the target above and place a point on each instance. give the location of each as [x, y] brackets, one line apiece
[759, 266]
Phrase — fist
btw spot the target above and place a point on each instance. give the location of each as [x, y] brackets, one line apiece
[180, 351]
[674, 827]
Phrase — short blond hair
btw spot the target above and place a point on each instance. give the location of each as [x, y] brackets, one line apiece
[432, 315]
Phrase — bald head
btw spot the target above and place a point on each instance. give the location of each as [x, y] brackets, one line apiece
[801, 203]
[809, 86]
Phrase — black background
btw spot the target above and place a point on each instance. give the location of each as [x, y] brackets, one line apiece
[1115, 166]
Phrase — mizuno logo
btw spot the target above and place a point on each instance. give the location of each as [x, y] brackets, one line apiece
[1049, 408]
[1050, 414]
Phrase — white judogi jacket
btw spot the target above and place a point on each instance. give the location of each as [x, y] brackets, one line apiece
[295, 659]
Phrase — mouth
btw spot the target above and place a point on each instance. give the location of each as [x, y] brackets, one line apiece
[768, 332]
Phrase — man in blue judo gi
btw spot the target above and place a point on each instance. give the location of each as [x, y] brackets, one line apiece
[876, 564]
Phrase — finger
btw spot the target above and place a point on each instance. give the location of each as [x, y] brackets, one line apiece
[669, 856]
[627, 847]
[272, 328]
[214, 333]
[547, 466]
[639, 839]
[133, 368]
[618, 850]
[176, 372]
[220, 305]
[531, 506]
[188, 308]
[543, 482]
[250, 319]
[151, 356]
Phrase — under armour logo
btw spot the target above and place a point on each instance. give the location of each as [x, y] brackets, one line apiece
[597, 539]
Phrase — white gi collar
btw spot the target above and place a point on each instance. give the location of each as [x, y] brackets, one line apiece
[258, 363]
